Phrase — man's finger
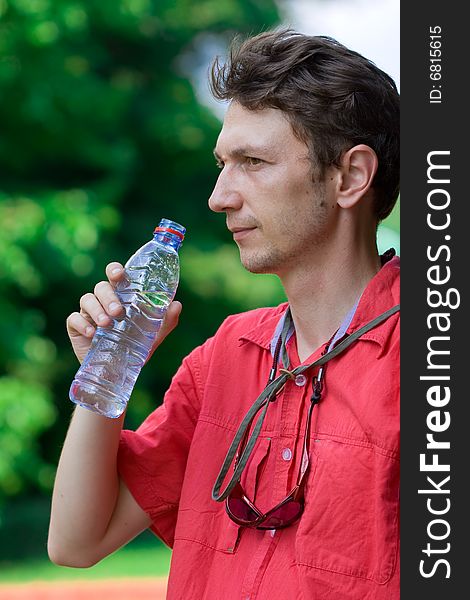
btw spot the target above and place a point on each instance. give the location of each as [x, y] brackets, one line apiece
[114, 272]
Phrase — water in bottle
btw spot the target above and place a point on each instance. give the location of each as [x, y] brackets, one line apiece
[108, 374]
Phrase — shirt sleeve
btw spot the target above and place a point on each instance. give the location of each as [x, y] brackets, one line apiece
[152, 459]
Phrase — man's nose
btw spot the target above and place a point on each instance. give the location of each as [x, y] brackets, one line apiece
[225, 195]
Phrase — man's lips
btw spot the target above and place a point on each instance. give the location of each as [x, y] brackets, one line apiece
[241, 232]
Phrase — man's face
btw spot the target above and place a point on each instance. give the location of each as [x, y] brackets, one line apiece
[277, 213]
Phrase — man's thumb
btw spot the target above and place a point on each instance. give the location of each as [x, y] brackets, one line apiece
[169, 323]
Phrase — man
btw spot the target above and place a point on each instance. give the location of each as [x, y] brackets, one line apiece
[309, 157]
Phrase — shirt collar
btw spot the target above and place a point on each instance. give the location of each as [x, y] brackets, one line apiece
[338, 335]
[381, 293]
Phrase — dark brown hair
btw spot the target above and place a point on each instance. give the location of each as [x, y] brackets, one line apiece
[334, 98]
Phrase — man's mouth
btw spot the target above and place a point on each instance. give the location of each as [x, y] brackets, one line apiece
[241, 232]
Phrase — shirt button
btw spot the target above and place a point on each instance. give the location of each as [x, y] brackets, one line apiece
[287, 454]
[300, 380]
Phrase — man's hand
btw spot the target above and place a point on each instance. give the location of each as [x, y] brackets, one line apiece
[101, 307]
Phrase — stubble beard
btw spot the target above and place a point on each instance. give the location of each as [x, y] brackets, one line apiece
[309, 234]
[267, 261]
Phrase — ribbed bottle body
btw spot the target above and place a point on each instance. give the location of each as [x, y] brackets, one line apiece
[117, 354]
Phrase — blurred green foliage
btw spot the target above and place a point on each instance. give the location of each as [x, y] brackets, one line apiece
[102, 134]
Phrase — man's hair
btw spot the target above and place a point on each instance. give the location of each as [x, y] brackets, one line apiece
[333, 97]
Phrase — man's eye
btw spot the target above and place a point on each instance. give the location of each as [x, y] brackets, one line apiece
[252, 161]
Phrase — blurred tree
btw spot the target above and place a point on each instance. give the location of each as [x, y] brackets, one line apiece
[101, 136]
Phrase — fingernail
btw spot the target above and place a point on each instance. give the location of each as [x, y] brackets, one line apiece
[114, 306]
[116, 271]
[89, 331]
[102, 318]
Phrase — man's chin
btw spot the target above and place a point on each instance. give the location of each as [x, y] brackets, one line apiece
[258, 264]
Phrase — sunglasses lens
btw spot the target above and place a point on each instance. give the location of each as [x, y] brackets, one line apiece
[241, 511]
[283, 515]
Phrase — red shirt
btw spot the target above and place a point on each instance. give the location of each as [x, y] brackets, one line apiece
[345, 546]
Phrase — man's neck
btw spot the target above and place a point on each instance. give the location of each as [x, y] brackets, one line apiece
[321, 295]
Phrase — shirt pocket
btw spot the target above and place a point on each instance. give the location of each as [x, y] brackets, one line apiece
[209, 524]
[350, 521]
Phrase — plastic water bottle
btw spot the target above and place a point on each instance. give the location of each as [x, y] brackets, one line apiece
[108, 374]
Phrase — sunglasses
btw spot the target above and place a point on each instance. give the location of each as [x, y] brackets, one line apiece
[244, 512]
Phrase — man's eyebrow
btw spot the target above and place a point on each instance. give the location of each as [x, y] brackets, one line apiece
[248, 150]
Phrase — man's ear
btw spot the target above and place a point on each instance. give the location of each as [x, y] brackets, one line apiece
[358, 168]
